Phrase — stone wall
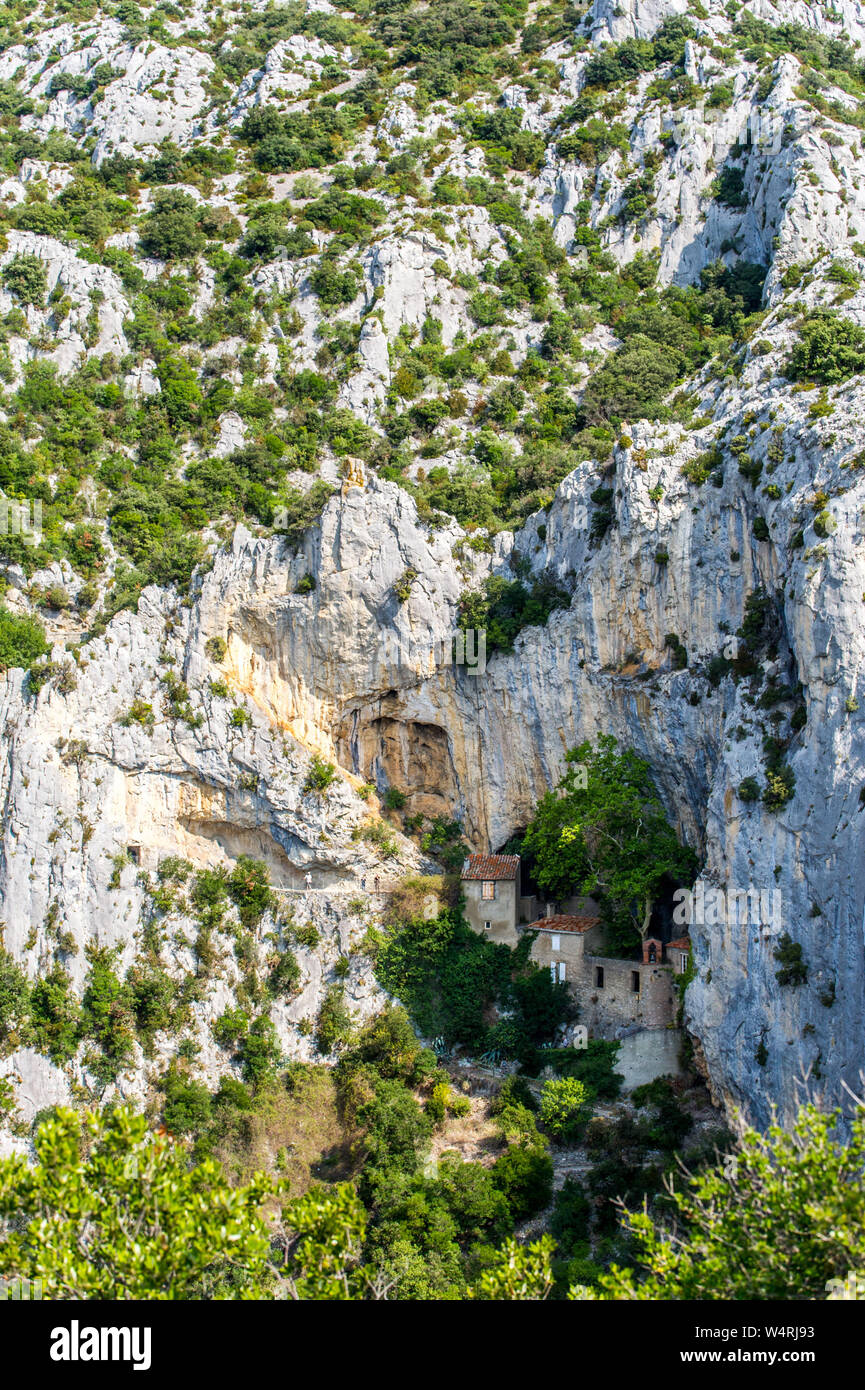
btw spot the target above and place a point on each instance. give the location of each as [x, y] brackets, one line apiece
[568, 950]
[647, 1054]
[501, 910]
[605, 1009]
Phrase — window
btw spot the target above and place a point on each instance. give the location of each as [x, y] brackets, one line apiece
[488, 926]
[553, 971]
[599, 977]
[635, 981]
[488, 891]
[561, 972]
[557, 943]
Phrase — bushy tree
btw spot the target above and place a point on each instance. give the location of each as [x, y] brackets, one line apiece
[67, 1220]
[604, 831]
[55, 1015]
[565, 1106]
[22, 640]
[830, 349]
[171, 231]
[524, 1173]
[631, 384]
[25, 277]
[14, 996]
[249, 889]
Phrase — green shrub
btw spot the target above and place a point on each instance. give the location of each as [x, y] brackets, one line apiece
[780, 786]
[729, 187]
[187, 1105]
[565, 1107]
[830, 349]
[333, 286]
[334, 1024]
[259, 1052]
[319, 776]
[631, 384]
[514, 1090]
[25, 277]
[525, 1176]
[249, 889]
[55, 1016]
[285, 976]
[230, 1027]
[403, 586]
[107, 1014]
[152, 993]
[569, 1223]
[22, 640]
[788, 953]
[14, 996]
[139, 712]
[216, 648]
[172, 231]
[349, 213]
[594, 142]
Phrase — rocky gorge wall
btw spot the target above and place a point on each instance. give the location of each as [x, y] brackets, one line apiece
[351, 670]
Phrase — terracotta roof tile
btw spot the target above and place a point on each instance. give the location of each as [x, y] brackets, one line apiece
[682, 943]
[563, 922]
[491, 866]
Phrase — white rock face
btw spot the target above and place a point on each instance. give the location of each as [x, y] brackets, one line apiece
[289, 68]
[365, 391]
[80, 281]
[88, 787]
[403, 268]
[232, 435]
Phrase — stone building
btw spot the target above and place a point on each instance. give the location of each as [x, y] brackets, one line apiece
[612, 994]
[491, 886]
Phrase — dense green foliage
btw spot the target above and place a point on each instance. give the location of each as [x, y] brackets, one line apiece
[780, 1218]
[447, 977]
[605, 832]
[830, 349]
[505, 607]
[779, 1222]
[22, 640]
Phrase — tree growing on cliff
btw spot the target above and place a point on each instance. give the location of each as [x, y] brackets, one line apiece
[603, 831]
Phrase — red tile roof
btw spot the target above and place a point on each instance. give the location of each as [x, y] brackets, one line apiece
[682, 943]
[562, 923]
[491, 866]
